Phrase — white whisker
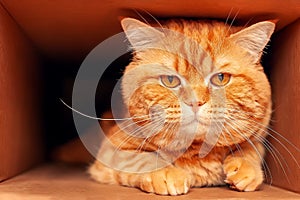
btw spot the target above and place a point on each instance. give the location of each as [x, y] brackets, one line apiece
[155, 125]
[226, 141]
[221, 43]
[237, 145]
[276, 139]
[98, 118]
[265, 166]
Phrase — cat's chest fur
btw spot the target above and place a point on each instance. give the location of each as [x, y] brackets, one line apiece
[207, 170]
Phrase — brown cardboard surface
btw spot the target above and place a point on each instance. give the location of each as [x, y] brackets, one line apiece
[70, 29]
[285, 76]
[59, 181]
[20, 135]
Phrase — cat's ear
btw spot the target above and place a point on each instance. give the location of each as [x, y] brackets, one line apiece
[254, 38]
[139, 34]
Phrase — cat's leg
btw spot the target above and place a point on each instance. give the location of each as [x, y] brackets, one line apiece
[102, 174]
[167, 181]
[141, 171]
[243, 168]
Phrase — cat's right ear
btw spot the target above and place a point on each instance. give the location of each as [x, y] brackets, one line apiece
[139, 34]
[254, 38]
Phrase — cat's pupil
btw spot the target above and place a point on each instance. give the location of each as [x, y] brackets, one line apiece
[221, 77]
[170, 78]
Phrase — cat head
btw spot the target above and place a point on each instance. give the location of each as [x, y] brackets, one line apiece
[197, 81]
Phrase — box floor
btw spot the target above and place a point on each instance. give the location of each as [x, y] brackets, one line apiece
[61, 181]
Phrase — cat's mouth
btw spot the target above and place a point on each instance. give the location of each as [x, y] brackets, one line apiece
[193, 122]
[192, 127]
[190, 122]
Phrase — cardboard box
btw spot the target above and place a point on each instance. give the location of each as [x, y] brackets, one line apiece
[41, 37]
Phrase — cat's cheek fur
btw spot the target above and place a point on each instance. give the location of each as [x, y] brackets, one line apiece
[149, 95]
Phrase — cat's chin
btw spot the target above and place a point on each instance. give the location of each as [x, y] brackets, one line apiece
[193, 128]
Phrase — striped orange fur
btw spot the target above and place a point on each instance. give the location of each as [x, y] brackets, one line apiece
[228, 105]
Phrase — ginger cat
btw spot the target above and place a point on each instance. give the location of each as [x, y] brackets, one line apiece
[196, 92]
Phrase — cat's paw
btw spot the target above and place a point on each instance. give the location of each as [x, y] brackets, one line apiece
[242, 174]
[167, 181]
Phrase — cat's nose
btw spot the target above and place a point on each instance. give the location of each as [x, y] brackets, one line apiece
[195, 105]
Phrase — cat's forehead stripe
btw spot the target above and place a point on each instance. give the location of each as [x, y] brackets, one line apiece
[224, 66]
[176, 64]
[185, 59]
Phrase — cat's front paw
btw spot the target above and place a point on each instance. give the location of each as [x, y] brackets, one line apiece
[242, 174]
[167, 181]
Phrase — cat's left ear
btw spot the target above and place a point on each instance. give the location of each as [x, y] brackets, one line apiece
[254, 38]
[139, 34]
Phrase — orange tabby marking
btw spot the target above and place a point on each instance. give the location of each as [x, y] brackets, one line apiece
[193, 110]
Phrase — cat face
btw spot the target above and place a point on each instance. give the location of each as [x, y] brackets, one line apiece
[201, 81]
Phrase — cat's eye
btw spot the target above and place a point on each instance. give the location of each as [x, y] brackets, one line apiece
[170, 81]
[220, 79]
